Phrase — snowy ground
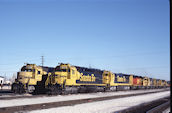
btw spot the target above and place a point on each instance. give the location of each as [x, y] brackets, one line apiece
[13, 95]
[107, 106]
[45, 99]
[167, 110]
[5, 87]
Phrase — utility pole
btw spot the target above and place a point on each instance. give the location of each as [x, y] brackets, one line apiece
[42, 60]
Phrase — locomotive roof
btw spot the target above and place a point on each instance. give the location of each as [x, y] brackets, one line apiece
[137, 76]
[88, 69]
[121, 74]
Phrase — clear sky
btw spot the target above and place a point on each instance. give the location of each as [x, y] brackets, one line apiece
[126, 36]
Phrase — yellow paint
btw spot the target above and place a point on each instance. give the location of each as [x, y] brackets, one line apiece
[154, 82]
[29, 74]
[121, 79]
[146, 81]
[109, 78]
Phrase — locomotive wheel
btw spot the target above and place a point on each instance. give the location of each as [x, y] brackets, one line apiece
[64, 92]
[18, 88]
[14, 88]
[54, 90]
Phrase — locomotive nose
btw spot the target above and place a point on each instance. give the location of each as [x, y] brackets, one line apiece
[25, 74]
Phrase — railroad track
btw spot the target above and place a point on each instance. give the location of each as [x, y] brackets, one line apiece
[25, 108]
[5, 92]
[22, 96]
[13, 96]
[160, 108]
[157, 106]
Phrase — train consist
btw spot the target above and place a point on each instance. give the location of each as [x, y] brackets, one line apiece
[65, 78]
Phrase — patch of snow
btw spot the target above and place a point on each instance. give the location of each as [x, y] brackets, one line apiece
[107, 106]
[14, 95]
[167, 110]
[58, 98]
[5, 87]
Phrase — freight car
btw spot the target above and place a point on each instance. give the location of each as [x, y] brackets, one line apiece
[31, 78]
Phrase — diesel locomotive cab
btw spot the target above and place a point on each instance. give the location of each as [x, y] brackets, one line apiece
[60, 74]
[63, 76]
[27, 78]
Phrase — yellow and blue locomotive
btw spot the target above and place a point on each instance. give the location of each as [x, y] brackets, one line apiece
[73, 79]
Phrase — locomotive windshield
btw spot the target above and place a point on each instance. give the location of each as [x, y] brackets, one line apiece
[61, 70]
[106, 74]
[58, 68]
[27, 70]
